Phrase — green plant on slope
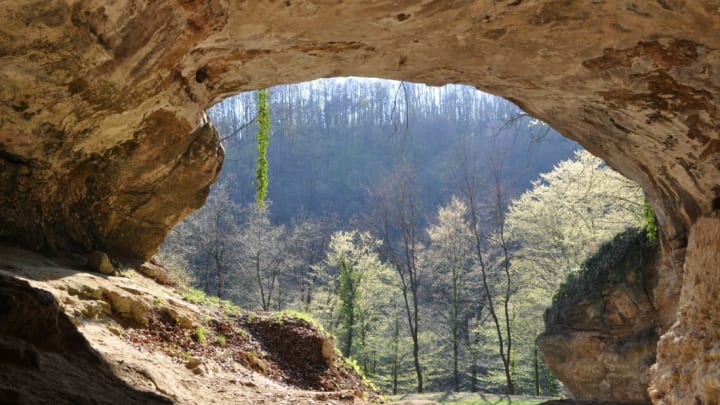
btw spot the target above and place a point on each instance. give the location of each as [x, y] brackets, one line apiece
[201, 335]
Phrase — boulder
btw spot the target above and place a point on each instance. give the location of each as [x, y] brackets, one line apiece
[155, 272]
[100, 262]
[603, 326]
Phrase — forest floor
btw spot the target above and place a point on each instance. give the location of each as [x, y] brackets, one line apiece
[476, 398]
[155, 341]
[465, 398]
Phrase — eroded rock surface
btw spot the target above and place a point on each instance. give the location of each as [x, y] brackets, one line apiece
[689, 353]
[603, 327]
[45, 359]
[72, 337]
[103, 145]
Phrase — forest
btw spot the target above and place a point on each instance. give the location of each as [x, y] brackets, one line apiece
[427, 228]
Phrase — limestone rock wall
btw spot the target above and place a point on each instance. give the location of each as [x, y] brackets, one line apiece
[103, 144]
[688, 358]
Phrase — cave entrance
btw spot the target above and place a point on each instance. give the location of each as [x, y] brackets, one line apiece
[342, 148]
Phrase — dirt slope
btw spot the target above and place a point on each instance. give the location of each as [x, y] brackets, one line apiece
[71, 336]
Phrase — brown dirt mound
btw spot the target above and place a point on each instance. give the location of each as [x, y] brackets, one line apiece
[288, 350]
[304, 356]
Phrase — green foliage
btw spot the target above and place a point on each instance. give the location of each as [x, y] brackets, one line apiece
[568, 213]
[350, 279]
[201, 335]
[354, 366]
[199, 297]
[263, 141]
[195, 296]
[649, 220]
[624, 260]
[220, 339]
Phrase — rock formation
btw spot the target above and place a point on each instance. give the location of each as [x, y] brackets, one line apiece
[688, 358]
[603, 326]
[103, 144]
[68, 336]
[43, 355]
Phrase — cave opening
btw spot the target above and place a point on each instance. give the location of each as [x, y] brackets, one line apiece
[335, 143]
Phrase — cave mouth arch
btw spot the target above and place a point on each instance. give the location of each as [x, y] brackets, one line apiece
[101, 148]
[350, 105]
[624, 80]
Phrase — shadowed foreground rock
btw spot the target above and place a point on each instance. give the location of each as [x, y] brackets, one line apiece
[44, 359]
[103, 144]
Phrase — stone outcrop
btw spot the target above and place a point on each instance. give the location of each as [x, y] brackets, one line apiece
[68, 336]
[43, 354]
[689, 353]
[603, 326]
[103, 144]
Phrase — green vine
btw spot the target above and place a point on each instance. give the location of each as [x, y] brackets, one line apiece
[649, 220]
[263, 140]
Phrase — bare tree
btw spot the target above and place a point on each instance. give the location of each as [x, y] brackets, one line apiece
[396, 219]
[262, 256]
[308, 241]
[481, 186]
[207, 238]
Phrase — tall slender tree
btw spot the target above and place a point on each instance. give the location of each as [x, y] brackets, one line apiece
[397, 220]
[450, 258]
[480, 186]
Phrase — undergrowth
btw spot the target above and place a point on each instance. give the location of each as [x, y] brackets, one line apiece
[625, 260]
[199, 297]
[291, 313]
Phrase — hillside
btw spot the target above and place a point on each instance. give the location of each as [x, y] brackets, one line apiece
[71, 336]
[333, 139]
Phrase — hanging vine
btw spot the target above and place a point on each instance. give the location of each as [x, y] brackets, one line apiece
[263, 140]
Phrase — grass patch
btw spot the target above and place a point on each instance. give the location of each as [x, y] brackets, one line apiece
[201, 335]
[199, 297]
[293, 314]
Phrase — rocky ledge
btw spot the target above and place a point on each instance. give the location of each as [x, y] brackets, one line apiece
[602, 329]
[73, 337]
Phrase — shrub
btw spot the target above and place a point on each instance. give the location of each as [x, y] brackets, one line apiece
[201, 335]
